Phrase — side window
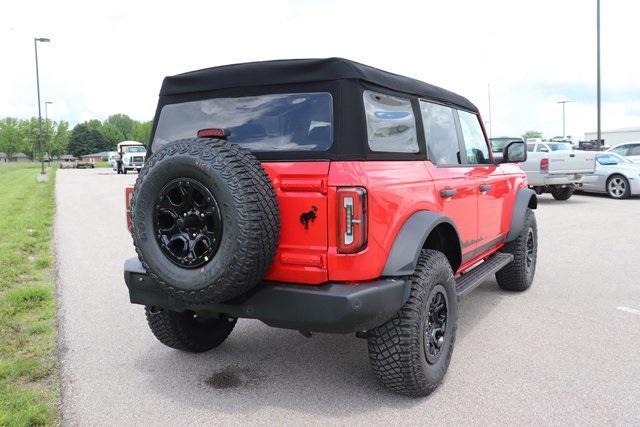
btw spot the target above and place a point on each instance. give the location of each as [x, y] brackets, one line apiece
[634, 150]
[391, 125]
[475, 145]
[530, 147]
[440, 133]
[541, 148]
[622, 150]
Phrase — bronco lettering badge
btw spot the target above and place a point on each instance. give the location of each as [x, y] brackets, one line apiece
[308, 216]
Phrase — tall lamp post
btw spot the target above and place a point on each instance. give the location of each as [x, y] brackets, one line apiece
[598, 67]
[35, 45]
[564, 133]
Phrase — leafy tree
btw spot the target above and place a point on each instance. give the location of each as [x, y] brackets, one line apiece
[59, 142]
[141, 132]
[11, 136]
[532, 134]
[112, 135]
[86, 138]
[31, 141]
[124, 123]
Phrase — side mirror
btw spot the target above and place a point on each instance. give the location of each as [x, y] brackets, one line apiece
[514, 152]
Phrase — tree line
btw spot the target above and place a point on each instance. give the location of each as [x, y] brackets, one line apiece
[22, 136]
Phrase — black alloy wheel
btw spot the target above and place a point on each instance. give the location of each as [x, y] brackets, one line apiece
[187, 223]
[436, 326]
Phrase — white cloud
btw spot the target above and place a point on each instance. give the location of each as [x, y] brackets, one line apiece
[108, 57]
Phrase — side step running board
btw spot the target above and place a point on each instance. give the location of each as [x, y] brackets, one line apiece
[473, 278]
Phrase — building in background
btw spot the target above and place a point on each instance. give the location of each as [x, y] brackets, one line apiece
[616, 136]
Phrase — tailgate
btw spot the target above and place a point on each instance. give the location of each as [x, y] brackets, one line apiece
[571, 162]
[301, 188]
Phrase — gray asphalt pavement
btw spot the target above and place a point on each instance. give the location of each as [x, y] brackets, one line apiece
[565, 352]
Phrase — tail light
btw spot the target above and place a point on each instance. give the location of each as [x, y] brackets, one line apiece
[352, 219]
[128, 196]
[544, 165]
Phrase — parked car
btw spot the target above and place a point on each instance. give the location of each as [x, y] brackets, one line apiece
[554, 167]
[324, 195]
[615, 175]
[630, 150]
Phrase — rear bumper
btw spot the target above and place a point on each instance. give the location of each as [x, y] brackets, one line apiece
[331, 307]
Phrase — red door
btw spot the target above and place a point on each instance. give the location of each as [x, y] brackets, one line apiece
[457, 191]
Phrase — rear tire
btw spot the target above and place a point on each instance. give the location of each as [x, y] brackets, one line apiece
[410, 353]
[563, 193]
[186, 331]
[618, 187]
[518, 274]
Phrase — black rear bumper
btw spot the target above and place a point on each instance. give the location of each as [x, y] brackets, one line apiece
[331, 307]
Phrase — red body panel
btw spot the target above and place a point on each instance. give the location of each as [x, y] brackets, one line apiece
[395, 190]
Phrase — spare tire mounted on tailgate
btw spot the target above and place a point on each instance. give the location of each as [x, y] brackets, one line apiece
[205, 220]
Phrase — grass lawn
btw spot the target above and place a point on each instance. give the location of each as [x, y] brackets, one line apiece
[29, 389]
[103, 164]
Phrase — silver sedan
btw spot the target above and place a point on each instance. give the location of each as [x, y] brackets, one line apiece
[614, 175]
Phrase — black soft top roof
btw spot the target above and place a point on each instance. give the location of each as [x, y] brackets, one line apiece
[303, 71]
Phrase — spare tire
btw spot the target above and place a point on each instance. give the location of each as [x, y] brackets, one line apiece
[205, 217]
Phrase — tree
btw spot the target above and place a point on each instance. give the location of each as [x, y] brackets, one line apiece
[112, 135]
[86, 138]
[141, 132]
[60, 140]
[11, 136]
[124, 123]
[532, 134]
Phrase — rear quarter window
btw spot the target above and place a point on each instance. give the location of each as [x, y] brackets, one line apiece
[391, 125]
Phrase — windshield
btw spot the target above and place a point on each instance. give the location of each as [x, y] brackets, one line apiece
[498, 144]
[134, 149]
[279, 122]
[559, 146]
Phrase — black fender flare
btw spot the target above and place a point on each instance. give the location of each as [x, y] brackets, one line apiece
[410, 240]
[525, 198]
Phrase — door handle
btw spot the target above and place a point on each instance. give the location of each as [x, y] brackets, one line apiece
[572, 155]
[450, 192]
[485, 187]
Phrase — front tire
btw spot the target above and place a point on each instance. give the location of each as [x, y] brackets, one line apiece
[187, 331]
[410, 353]
[518, 274]
[618, 187]
[563, 193]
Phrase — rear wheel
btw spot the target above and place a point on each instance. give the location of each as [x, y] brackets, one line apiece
[618, 187]
[563, 193]
[518, 274]
[411, 352]
[187, 331]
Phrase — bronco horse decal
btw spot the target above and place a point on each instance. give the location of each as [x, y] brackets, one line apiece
[307, 217]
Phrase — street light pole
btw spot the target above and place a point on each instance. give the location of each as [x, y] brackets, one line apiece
[564, 133]
[35, 45]
[598, 66]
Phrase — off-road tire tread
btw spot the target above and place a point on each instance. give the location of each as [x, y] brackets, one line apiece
[395, 350]
[513, 276]
[171, 331]
[259, 216]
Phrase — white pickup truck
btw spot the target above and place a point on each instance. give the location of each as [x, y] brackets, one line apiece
[557, 168]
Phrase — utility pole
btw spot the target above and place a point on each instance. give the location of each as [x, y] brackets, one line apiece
[35, 45]
[598, 66]
[564, 133]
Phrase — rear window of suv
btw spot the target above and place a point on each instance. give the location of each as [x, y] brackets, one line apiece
[277, 122]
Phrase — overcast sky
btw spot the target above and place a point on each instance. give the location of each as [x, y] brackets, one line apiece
[110, 56]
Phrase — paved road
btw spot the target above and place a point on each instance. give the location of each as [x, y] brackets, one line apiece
[566, 351]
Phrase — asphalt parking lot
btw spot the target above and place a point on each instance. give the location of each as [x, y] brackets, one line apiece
[564, 352]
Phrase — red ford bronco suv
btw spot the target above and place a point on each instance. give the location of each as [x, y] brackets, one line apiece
[324, 195]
